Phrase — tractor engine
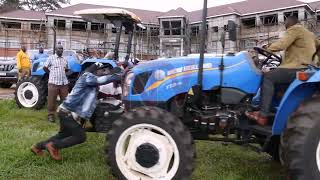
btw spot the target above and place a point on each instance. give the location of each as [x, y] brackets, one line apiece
[216, 120]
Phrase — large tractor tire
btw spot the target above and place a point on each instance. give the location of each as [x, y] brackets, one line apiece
[31, 92]
[150, 143]
[5, 85]
[300, 142]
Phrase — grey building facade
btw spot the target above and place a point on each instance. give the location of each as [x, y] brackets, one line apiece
[167, 34]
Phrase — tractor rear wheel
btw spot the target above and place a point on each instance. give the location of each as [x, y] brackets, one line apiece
[150, 143]
[31, 92]
[300, 142]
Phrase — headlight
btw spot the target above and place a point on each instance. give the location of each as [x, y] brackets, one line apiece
[127, 83]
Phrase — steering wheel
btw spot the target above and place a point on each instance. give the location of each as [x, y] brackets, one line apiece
[269, 55]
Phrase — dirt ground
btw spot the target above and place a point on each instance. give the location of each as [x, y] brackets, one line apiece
[6, 93]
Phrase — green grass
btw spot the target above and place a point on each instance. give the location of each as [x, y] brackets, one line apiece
[20, 128]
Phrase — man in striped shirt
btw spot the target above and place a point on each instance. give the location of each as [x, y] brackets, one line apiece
[56, 66]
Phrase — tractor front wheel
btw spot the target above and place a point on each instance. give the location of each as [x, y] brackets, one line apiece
[150, 143]
[300, 142]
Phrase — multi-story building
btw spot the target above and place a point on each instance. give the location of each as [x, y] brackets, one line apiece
[21, 27]
[169, 34]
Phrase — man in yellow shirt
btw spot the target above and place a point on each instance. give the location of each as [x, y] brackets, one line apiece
[299, 45]
[23, 63]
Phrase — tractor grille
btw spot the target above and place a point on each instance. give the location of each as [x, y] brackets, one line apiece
[6, 67]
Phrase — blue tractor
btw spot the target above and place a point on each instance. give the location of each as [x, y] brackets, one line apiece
[32, 92]
[171, 102]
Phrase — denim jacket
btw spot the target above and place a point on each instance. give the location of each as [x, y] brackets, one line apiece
[83, 97]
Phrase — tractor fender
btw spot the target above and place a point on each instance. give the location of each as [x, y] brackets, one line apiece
[294, 96]
[73, 64]
[37, 67]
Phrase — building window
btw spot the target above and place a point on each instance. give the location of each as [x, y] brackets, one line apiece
[172, 28]
[154, 31]
[60, 24]
[249, 22]
[305, 15]
[215, 29]
[11, 25]
[166, 27]
[37, 26]
[195, 30]
[269, 20]
[225, 27]
[291, 13]
[141, 30]
[114, 30]
[176, 27]
[98, 27]
[79, 26]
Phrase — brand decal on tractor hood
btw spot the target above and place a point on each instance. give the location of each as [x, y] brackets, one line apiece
[176, 72]
[188, 68]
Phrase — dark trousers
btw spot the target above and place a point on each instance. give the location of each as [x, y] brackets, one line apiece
[272, 79]
[71, 133]
[53, 92]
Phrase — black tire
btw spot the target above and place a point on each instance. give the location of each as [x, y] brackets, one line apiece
[270, 145]
[104, 116]
[5, 85]
[300, 140]
[160, 118]
[41, 87]
[273, 148]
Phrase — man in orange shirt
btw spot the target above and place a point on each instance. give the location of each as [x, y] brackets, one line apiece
[23, 63]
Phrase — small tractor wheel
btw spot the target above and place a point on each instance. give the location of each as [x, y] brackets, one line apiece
[31, 92]
[5, 85]
[150, 143]
[300, 142]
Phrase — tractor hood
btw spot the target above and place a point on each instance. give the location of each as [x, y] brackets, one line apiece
[162, 79]
[166, 64]
[190, 63]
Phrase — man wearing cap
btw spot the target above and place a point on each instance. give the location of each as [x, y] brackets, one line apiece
[76, 110]
[56, 66]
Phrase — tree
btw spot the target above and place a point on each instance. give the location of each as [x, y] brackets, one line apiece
[7, 5]
[43, 5]
[35, 5]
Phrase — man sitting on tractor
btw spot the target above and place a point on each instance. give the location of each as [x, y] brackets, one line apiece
[299, 45]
